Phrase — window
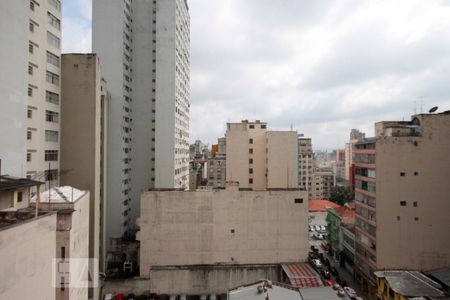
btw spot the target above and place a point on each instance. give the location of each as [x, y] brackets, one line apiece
[263, 126]
[416, 173]
[56, 4]
[250, 161]
[416, 218]
[30, 70]
[31, 26]
[51, 116]
[402, 174]
[51, 174]
[54, 21]
[251, 126]
[298, 200]
[29, 135]
[250, 150]
[30, 92]
[402, 203]
[52, 78]
[52, 97]
[52, 59]
[51, 155]
[32, 5]
[415, 203]
[30, 114]
[19, 197]
[63, 252]
[28, 156]
[250, 141]
[30, 48]
[51, 136]
[250, 180]
[250, 170]
[53, 40]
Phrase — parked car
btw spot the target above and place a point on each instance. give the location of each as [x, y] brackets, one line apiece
[350, 292]
[212, 297]
[333, 271]
[314, 249]
[317, 227]
[341, 292]
[108, 297]
[316, 264]
[325, 274]
[330, 283]
[319, 236]
[336, 286]
[323, 228]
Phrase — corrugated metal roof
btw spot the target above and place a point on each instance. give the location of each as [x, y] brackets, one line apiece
[411, 283]
[302, 275]
[276, 291]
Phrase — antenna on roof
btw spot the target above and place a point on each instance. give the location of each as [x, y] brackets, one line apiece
[433, 109]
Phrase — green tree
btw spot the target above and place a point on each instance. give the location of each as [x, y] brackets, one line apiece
[341, 194]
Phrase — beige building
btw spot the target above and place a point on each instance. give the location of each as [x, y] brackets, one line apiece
[182, 231]
[323, 181]
[44, 78]
[72, 240]
[28, 243]
[259, 159]
[305, 164]
[84, 152]
[402, 192]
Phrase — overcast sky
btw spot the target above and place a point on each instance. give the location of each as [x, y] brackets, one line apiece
[323, 67]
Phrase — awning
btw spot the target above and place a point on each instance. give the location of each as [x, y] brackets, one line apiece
[302, 275]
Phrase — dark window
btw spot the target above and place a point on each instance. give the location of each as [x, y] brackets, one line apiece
[402, 203]
[250, 170]
[250, 141]
[263, 126]
[416, 173]
[402, 174]
[252, 126]
[250, 180]
[250, 161]
[63, 252]
[19, 197]
[398, 218]
[415, 203]
[298, 200]
[250, 150]
[416, 218]
[232, 230]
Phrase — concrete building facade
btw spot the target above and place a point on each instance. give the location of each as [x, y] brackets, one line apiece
[84, 105]
[13, 86]
[259, 159]
[323, 181]
[402, 196]
[306, 164]
[44, 91]
[230, 227]
[144, 51]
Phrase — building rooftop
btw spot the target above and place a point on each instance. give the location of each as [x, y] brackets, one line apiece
[62, 194]
[264, 290]
[345, 212]
[411, 283]
[10, 218]
[302, 275]
[442, 276]
[320, 205]
[10, 183]
[321, 293]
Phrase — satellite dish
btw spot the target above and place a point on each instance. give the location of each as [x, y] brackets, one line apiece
[433, 109]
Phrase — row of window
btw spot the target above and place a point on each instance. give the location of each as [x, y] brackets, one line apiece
[50, 135]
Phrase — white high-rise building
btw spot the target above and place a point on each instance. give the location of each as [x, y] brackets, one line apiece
[44, 89]
[144, 52]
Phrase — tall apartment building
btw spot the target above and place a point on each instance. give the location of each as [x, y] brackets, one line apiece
[306, 164]
[44, 71]
[144, 51]
[84, 122]
[216, 166]
[259, 159]
[402, 194]
[355, 136]
[322, 183]
[13, 86]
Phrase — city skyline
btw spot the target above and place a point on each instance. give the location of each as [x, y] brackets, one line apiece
[312, 84]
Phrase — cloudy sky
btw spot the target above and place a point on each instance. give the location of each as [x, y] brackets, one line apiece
[323, 67]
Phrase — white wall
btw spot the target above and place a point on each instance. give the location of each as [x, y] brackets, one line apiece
[13, 85]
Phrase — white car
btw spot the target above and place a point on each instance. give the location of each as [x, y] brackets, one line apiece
[317, 263]
[317, 227]
[350, 292]
[319, 236]
[323, 228]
